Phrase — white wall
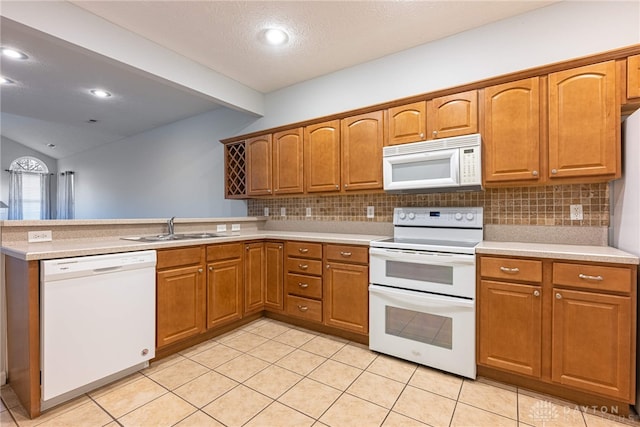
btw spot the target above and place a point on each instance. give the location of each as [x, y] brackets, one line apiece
[555, 33]
[173, 170]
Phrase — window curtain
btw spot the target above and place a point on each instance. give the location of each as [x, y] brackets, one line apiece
[15, 195]
[45, 196]
[66, 195]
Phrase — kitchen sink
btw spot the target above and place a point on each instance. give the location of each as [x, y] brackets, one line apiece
[170, 237]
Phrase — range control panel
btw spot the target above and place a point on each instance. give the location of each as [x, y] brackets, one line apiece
[438, 217]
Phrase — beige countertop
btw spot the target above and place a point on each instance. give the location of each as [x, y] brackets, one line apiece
[558, 251]
[94, 246]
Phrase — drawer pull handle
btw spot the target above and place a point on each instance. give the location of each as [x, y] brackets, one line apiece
[587, 277]
[303, 266]
[536, 293]
[303, 250]
[303, 308]
[345, 254]
[510, 270]
[303, 285]
[558, 296]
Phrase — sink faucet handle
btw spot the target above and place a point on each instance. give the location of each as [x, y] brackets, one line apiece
[170, 224]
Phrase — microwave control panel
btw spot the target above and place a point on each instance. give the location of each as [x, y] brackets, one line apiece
[470, 166]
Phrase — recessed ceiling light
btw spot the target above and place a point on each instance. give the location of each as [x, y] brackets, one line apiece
[275, 36]
[12, 53]
[51, 145]
[100, 93]
[5, 81]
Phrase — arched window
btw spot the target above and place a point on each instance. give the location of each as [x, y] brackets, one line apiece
[29, 189]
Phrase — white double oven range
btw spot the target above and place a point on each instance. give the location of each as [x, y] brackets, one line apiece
[422, 295]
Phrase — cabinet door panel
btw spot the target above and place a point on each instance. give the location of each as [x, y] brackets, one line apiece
[322, 157]
[274, 299]
[633, 76]
[224, 292]
[510, 327]
[362, 141]
[287, 162]
[346, 297]
[591, 342]
[180, 304]
[512, 131]
[584, 120]
[407, 123]
[452, 115]
[258, 152]
[254, 277]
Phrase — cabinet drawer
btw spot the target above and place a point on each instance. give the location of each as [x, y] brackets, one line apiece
[345, 253]
[306, 286]
[304, 266]
[596, 277]
[304, 308]
[304, 249]
[179, 257]
[511, 269]
[226, 251]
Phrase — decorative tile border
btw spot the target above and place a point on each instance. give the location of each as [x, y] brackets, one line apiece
[547, 205]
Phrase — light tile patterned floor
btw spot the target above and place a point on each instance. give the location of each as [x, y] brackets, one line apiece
[271, 374]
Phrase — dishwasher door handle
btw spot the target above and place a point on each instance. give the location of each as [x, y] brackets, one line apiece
[107, 269]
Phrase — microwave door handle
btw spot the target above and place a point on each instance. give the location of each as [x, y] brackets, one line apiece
[419, 301]
[422, 258]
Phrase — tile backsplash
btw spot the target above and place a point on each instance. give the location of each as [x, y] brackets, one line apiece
[545, 205]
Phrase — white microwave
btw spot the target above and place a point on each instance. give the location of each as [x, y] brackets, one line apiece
[447, 164]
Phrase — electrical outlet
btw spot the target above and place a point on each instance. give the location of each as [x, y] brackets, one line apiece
[371, 211]
[39, 236]
[576, 212]
[308, 211]
[235, 227]
[221, 228]
[266, 211]
[283, 211]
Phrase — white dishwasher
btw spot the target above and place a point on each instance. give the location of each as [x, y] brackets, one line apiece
[97, 321]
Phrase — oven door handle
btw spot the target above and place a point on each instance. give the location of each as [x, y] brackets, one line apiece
[420, 300]
[422, 257]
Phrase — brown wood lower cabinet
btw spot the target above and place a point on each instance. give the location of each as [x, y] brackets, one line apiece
[303, 268]
[274, 280]
[567, 328]
[254, 277]
[346, 288]
[225, 284]
[180, 295]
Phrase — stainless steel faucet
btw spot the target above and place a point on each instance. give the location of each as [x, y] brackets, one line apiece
[170, 225]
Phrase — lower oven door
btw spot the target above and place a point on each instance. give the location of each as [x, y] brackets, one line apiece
[433, 330]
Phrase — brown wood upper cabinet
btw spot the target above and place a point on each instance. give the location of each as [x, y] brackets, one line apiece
[407, 123]
[512, 132]
[322, 157]
[584, 122]
[258, 152]
[362, 141]
[633, 76]
[452, 115]
[288, 162]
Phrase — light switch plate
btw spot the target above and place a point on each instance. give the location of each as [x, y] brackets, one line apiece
[371, 211]
[221, 228]
[39, 236]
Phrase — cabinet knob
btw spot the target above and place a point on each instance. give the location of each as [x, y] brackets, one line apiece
[435, 133]
[303, 266]
[558, 295]
[328, 266]
[199, 270]
[422, 135]
[303, 285]
[536, 293]
[246, 248]
[210, 268]
[279, 246]
[276, 190]
[534, 173]
[337, 186]
[346, 185]
[554, 171]
[269, 190]
[303, 308]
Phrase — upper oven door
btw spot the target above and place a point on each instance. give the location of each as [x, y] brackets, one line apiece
[447, 274]
[427, 169]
